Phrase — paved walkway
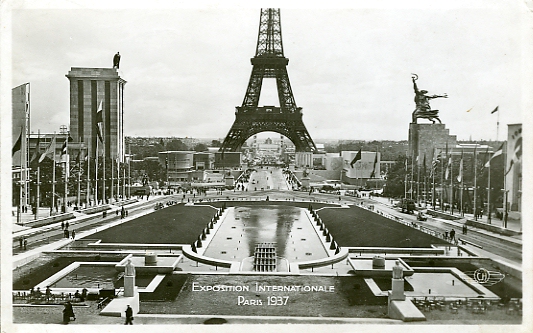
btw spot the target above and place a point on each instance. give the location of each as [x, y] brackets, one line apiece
[512, 224]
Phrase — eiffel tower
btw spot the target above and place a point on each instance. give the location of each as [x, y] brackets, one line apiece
[250, 119]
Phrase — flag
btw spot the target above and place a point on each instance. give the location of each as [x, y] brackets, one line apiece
[510, 167]
[516, 143]
[79, 157]
[495, 110]
[496, 154]
[48, 150]
[484, 160]
[448, 167]
[373, 174]
[460, 176]
[356, 158]
[18, 145]
[99, 122]
[435, 162]
[64, 147]
[34, 161]
[424, 165]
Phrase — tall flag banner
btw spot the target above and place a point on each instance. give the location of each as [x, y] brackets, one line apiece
[424, 165]
[356, 158]
[20, 109]
[460, 176]
[99, 122]
[495, 110]
[49, 150]
[35, 157]
[496, 154]
[80, 157]
[485, 159]
[448, 167]
[435, 162]
[18, 145]
[64, 147]
[78, 160]
[373, 174]
[515, 143]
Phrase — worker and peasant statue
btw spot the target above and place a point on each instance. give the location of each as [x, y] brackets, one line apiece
[423, 109]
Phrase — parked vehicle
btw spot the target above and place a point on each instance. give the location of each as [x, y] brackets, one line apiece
[408, 206]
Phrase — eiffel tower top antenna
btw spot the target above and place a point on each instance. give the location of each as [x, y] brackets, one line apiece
[269, 42]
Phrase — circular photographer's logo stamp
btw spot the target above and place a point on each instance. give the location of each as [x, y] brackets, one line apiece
[485, 277]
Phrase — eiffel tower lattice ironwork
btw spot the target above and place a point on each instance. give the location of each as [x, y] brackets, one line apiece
[250, 119]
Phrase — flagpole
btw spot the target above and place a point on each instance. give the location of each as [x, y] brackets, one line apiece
[103, 163]
[433, 169]
[96, 175]
[418, 182]
[118, 178]
[88, 192]
[451, 180]
[54, 174]
[489, 219]
[405, 180]
[79, 175]
[22, 178]
[425, 184]
[66, 172]
[475, 183]
[441, 194]
[129, 171]
[112, 178]
[462, 184]
[38, 150]
[412, 176]
[504, 217]
[124, 180]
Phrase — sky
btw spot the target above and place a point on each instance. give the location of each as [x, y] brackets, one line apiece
[350, 68]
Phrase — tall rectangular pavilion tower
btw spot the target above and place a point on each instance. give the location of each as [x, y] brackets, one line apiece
[88, 88]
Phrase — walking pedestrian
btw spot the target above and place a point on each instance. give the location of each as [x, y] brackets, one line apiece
[73, 234]
[66, 225]
[62, 225]
[465, 227]
[129, 316]
[83, 294]
[21, 242]
[68, 312]
[452, 235]
[25, 244]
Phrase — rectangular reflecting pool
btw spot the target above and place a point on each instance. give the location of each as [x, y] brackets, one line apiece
[103, 277]
[287, 227]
